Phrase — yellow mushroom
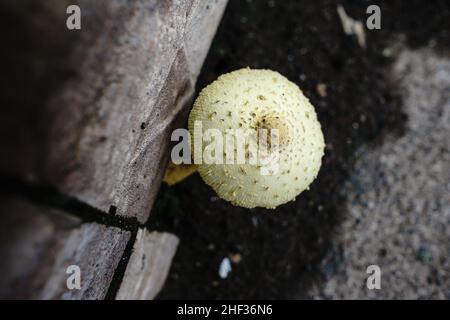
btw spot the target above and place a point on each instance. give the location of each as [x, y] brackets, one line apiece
[260, 99]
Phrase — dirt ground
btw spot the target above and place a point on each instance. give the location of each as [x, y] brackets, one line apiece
[398, 197]
[293, 251]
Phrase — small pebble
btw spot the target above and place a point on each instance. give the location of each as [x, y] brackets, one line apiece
[225, 268]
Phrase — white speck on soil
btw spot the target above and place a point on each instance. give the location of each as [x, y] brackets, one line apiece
[225, 268]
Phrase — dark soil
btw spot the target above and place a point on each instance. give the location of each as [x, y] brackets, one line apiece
[281, 249]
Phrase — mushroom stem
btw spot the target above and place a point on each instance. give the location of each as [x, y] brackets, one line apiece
[178, 172]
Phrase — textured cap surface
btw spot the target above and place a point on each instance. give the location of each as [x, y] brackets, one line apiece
[260, 99]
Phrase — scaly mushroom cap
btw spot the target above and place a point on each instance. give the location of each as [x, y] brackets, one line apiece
[260, 99]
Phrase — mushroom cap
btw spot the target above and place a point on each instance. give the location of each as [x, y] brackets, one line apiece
[260, 99]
